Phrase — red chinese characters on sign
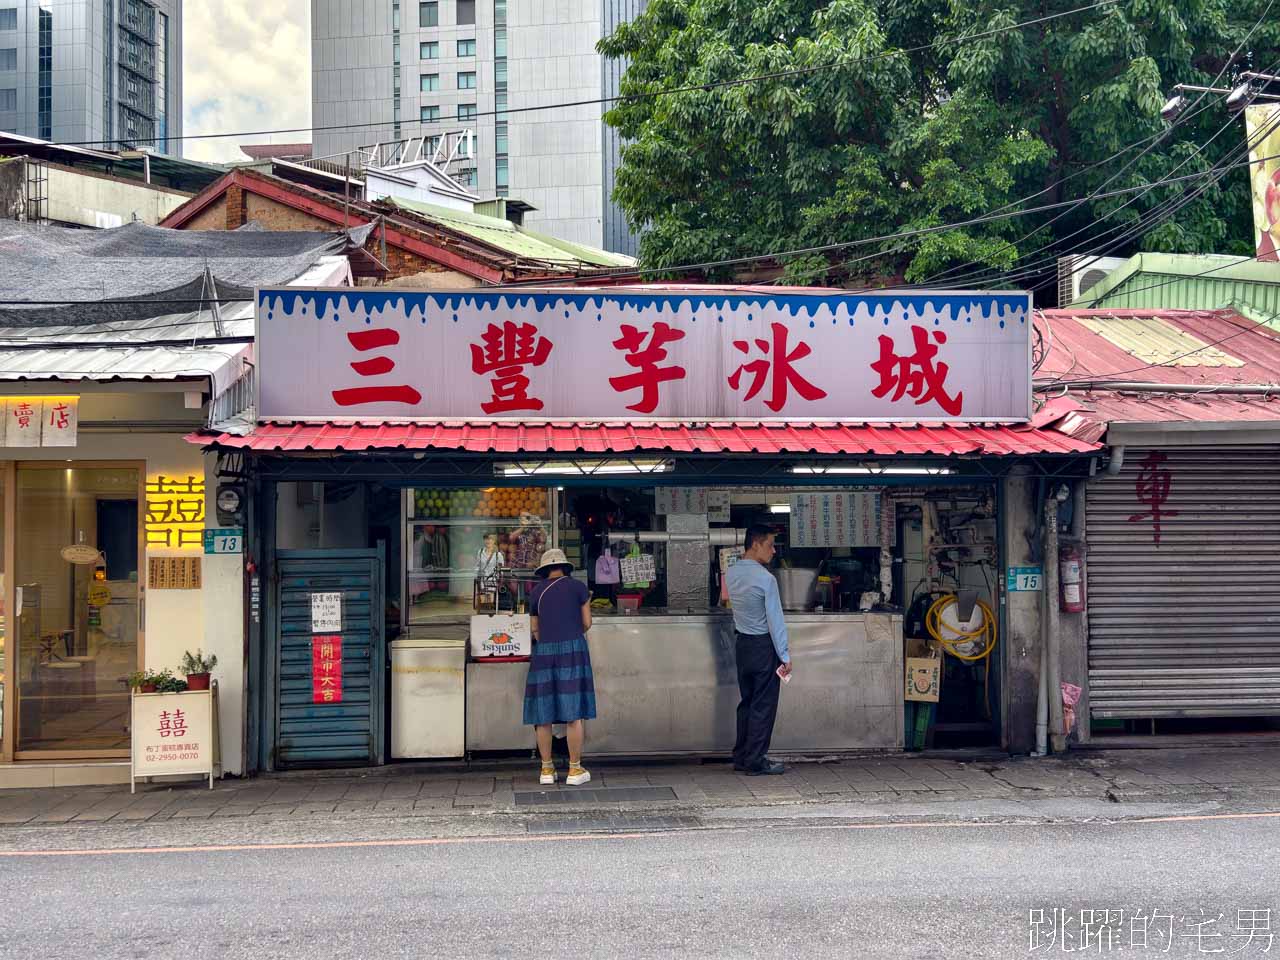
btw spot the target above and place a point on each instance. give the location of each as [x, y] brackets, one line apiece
[920, 376]
[1151, 489]
[777, 367]
[646, 359]
[503, 354]
[173, 723]
[23, 413]
[326, 669]
[365, 341]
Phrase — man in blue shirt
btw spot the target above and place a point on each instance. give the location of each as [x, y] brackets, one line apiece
[763, 657]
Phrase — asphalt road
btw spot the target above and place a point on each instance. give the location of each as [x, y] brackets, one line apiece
[763, 890]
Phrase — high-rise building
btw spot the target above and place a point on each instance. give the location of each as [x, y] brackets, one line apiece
[389, 70]
[102, 72]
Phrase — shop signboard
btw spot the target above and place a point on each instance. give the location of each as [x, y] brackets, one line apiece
[1262, 124]
[39, 421]
[174, 733]
[827, 519]
[632, 355]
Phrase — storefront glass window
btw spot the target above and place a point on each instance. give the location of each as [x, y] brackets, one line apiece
[76, 623]
[460, 539]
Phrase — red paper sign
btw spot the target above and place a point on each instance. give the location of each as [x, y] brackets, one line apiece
[326, 669]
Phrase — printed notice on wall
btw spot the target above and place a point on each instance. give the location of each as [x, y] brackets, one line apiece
[639, 569]
[835, 520]
[718, 503]
[326, 613]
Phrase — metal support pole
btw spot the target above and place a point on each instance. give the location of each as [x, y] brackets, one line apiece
[1054, 646]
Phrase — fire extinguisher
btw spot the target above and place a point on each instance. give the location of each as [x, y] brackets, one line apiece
[1071, 594]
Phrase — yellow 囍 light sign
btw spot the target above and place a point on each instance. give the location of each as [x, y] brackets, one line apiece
[175, 512]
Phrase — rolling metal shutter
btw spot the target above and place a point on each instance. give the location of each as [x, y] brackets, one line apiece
[1188, 626]
[310, 733]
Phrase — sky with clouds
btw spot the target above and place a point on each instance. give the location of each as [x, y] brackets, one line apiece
[247, 67]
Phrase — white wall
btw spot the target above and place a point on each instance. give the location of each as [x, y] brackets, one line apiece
[378, 185]
[102, 202]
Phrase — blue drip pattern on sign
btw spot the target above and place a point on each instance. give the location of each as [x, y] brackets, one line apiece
[997, 307]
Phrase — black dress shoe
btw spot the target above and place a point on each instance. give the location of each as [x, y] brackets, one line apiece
[767, 769]
[739, 768]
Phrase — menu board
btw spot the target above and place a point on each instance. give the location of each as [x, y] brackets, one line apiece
[835, 520]
[680, 500]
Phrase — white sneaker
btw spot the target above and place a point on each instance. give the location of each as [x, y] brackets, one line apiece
[548, 776]
[577, 776]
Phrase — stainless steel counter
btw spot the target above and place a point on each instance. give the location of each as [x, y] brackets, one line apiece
[668, 684]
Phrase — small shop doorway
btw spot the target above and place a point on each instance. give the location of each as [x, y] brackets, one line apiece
[329, 657]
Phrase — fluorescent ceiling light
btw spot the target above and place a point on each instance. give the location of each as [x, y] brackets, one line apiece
[601, 468]
[873, 471]
[779, 508]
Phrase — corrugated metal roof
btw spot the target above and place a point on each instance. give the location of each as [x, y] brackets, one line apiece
[218, 362]
[1089, 414]
[1148, 347]
[1155, 340]
[505, 235]
[1091, 345]
[148, 349]
[726, 438]
[1182, 281]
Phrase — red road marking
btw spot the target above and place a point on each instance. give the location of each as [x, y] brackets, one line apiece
[545, 838]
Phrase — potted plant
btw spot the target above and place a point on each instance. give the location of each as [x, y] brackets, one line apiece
[148, 681]
[197, 668]
[136, 680]
[166, 682]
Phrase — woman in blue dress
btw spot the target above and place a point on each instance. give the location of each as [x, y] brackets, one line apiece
[560, 687]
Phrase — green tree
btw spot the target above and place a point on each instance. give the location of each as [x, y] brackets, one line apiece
[877, 137]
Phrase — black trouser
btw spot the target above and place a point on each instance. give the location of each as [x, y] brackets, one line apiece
[759, 684]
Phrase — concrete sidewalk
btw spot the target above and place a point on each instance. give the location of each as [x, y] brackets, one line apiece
[1251, 772]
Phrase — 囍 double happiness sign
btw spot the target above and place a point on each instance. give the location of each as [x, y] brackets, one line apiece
[687, 354]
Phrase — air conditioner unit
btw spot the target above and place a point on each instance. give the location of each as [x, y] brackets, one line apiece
[1077, 274]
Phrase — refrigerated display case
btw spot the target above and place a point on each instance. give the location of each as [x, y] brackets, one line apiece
[458, 539]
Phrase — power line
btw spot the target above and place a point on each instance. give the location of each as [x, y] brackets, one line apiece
[1145, 223]
[1100, 377]
[557, 282]
[624, 98]
[1195, 110]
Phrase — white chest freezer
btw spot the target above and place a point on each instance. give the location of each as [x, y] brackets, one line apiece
[428, 707]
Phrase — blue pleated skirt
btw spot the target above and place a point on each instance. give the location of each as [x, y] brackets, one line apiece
[560, 687]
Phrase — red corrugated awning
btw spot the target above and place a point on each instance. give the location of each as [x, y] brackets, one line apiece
[725, 438]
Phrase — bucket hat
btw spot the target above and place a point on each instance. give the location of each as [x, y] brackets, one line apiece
[553, 558]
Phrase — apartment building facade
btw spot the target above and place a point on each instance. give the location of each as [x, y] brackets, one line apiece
[104, 73]
[390, 70]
